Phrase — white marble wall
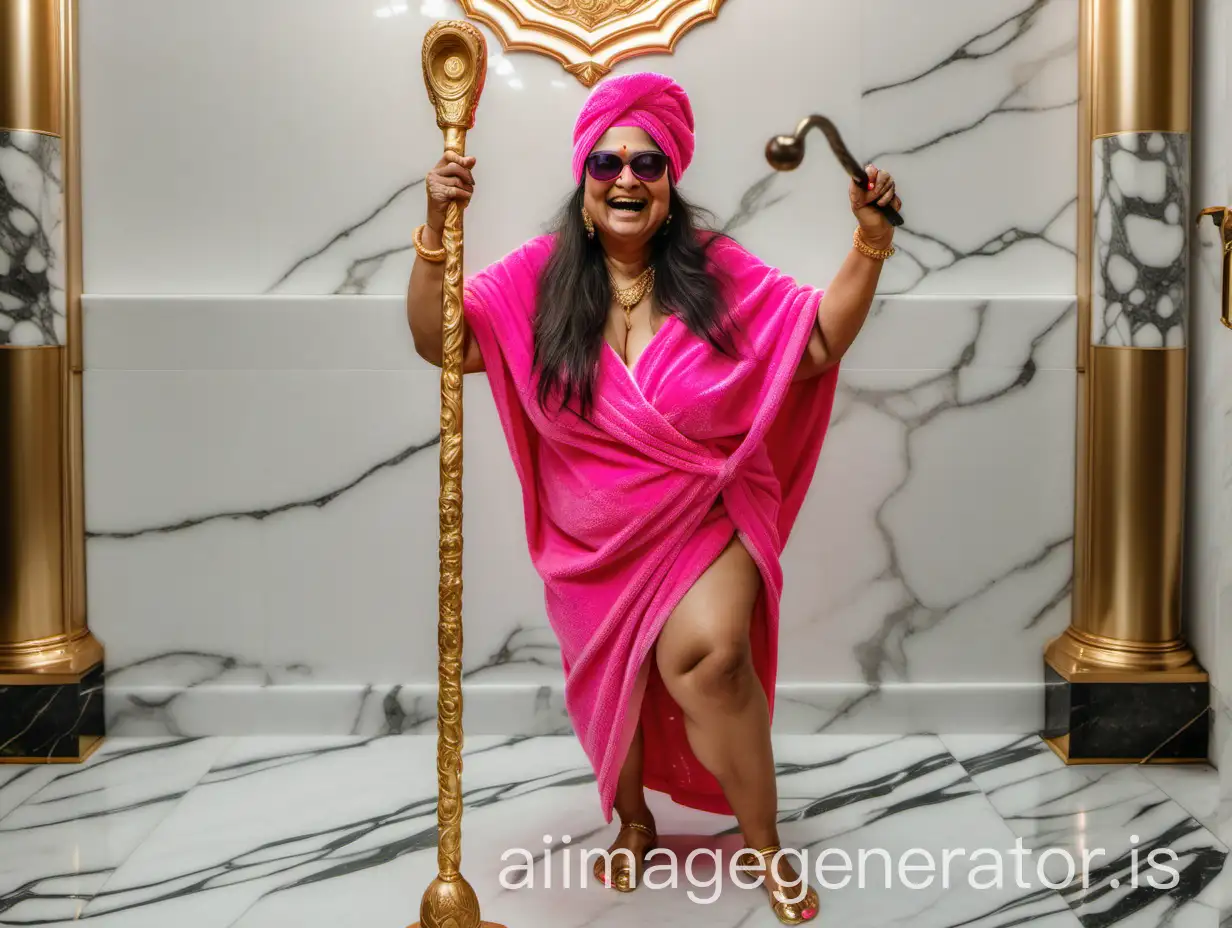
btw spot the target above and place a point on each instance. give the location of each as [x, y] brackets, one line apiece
[1209, 566]
[261, 457]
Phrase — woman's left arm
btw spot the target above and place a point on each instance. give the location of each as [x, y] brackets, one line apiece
[844, 307]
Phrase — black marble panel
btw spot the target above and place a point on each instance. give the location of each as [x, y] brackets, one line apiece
[48, 721]
[1056, 703]
[1128, 721]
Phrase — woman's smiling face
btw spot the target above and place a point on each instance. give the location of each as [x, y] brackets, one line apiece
[628, 208]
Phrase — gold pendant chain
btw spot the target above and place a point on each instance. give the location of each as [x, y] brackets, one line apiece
[630, 296]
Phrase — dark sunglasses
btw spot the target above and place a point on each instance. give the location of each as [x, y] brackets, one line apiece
[606, 165]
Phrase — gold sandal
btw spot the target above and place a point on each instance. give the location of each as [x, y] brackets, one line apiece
[787, 912]
[623, 879]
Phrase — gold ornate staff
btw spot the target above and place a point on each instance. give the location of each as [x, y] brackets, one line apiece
[454, 66]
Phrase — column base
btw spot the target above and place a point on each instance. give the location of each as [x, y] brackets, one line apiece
[51, 718]
[1120, 717]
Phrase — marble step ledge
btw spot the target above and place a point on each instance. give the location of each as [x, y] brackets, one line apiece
[524, 709]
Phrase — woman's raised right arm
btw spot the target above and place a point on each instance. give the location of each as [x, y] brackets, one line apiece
[450, 180]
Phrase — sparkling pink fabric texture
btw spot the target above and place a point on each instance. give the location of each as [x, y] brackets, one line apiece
[625, 510]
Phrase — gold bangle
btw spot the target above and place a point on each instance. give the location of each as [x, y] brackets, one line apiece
[877, 254]
[436, 257]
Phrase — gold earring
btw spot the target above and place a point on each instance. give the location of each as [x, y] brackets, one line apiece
[589, 223]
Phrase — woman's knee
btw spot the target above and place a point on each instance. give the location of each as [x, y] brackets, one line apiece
[718, 672]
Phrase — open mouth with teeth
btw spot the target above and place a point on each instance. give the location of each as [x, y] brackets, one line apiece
[627, 205]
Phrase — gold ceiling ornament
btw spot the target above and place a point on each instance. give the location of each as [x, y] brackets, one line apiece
[589, 37]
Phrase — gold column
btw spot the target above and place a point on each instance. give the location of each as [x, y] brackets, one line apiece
[50, 663]
[1134, 116]
[31, 77]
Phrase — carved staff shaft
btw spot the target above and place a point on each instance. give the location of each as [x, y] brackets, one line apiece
[454, 67]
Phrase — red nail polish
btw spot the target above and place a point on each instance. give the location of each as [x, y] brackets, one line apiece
[870, 185]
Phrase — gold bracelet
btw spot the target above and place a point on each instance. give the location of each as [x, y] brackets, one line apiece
[877, 254]
[436, 257]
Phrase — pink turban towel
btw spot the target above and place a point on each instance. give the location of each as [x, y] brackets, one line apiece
[649, 101]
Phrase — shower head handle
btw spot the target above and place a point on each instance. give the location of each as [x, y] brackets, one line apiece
[786, 153]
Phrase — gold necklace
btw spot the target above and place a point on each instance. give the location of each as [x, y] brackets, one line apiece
[628, 297]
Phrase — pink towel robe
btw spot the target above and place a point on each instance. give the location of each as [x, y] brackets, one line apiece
[626, 510]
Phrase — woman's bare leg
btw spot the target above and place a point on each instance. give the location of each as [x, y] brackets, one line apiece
[705, 660]
[631, 797]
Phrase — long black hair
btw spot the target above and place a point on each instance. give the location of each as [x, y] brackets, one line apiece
[575, 295]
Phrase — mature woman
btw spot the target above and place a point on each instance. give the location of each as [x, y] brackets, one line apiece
[664, 396]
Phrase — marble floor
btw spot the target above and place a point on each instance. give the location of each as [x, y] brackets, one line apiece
[265, 832]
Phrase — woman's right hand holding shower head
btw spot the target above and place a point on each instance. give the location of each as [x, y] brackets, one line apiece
[448, 182]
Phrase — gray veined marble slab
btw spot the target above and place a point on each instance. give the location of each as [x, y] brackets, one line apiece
[1115, 817]
[59, 847]
[1222, 748]
[292, 821]
[1140, 272]
[312, 832]
[31, 240]
[19, 782]
[904, 799]
[974, 117]
[250, 708]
